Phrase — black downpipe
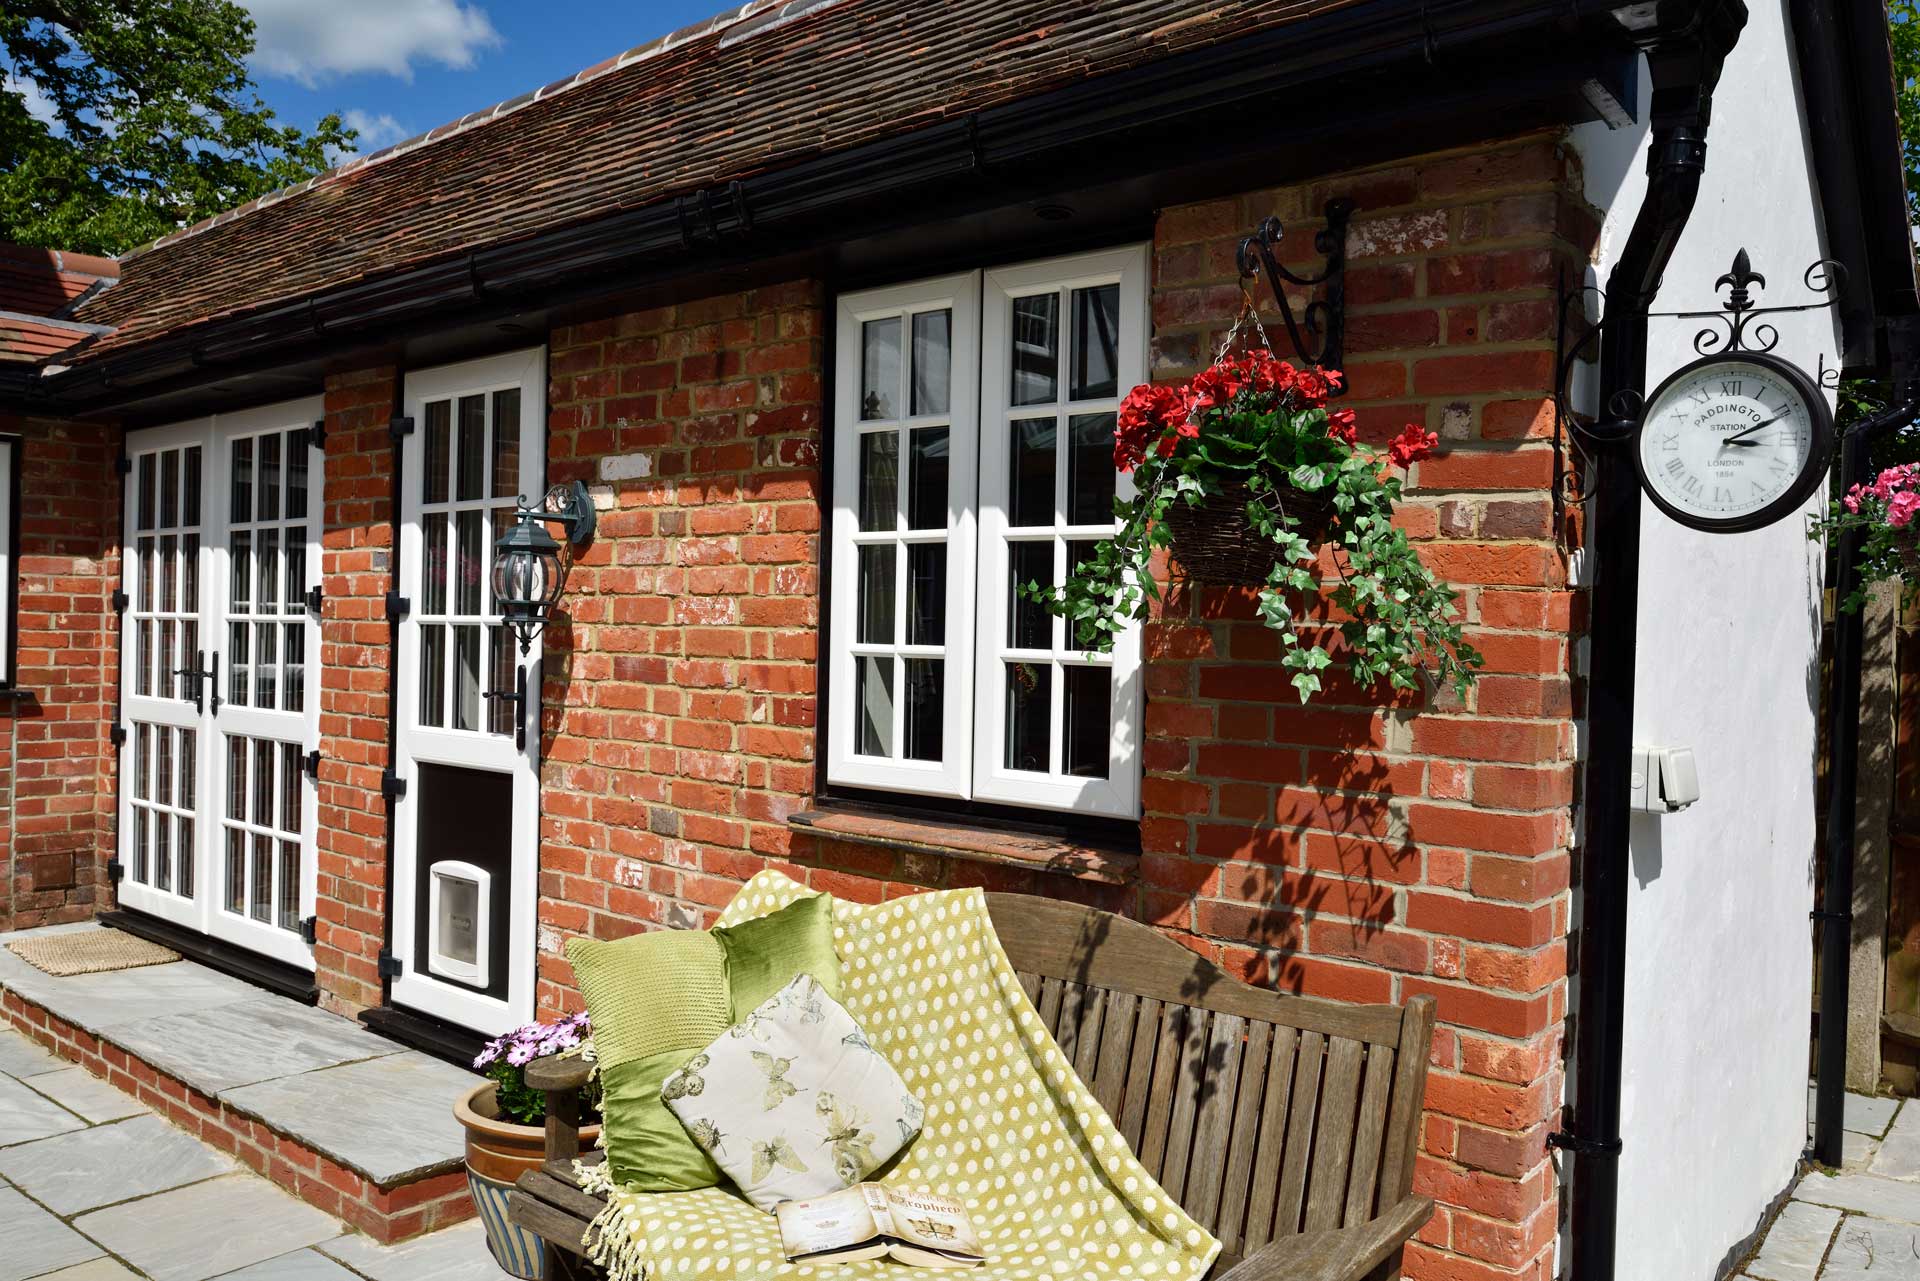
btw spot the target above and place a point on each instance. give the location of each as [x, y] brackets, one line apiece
[1685, 51]
[393, 678]
[1843, 710]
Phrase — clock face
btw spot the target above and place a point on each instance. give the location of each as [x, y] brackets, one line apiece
[1734, 443]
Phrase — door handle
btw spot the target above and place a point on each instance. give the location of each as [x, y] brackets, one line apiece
[519, 700]
[196, 680]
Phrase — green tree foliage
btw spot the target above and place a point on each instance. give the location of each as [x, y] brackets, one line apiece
[121, 120]
[1862, 397]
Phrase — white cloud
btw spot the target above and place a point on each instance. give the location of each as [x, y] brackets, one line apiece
[39, 106]
[376, 131]
[309, 42]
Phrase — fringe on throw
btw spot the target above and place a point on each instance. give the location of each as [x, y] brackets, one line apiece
[610, 1242]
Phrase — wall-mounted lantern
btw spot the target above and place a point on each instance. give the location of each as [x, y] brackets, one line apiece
[527, 563]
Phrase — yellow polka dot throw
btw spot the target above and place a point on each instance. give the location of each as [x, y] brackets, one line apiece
[1009, 1127]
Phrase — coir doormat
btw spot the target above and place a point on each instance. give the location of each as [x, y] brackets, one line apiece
[89, 952]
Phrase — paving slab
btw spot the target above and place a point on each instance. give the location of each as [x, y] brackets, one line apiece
[89, 1168]
[244, 1042]
[1899, 1154]
[33, 1241]
[22, 1057]
[301, 1265]
[388, 1118]
[1870, 1249]
[25, 1115]
[78, 1090]
[207, 1229]
[1796, 1242]
[1863, 1194]
[95, 1002]
[1857, 1151]
[100, 1269]
[458, 1253]
[1861, 1113]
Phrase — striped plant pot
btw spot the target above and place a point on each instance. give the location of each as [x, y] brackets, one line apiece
[498, 1153]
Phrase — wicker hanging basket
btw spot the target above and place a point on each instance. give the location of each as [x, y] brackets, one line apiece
[1215, 542]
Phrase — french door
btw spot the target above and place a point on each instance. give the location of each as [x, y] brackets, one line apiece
[218, 808]
[466, 701]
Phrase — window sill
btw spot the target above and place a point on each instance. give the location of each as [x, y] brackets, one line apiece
[972, 844]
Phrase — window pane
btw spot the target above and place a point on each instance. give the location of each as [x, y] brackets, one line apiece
[1096, 342]
[265, 669]
[1029, 625]
[190, 573]
[932, 361]
[469, 568]
[142, 762]
[290, 774]
[140, 846]
[926, 705]
[1077, 554]
[236, 870]
[238, 664]
[241, 509]
[469, 450]
[293, 658]
[876, 604]
[190, 488]
[433, 674]
[169, 573]
[143, 662]
[240, 553]
[466, 677]
[880, 480]
[506, 443]
[1029, 705]
[188, 746]
[1036, 349]
[145, 586]
[267, 601]
[433, 563]
[927, 482]
[1088, 721]
[294, 585]
[880, 369]
[167, 663]
[143, 504]
[926, 594]
[170, 489]
[163, 767]
[297, 451]
[261, 812]
[873, 697]
[184, 844]
[1031, 502]
[162, 852]
[260, 901]
[237, 779]
[289, 885]
[433, 451]
[501, 677]
[270, 478]
[1090, 470]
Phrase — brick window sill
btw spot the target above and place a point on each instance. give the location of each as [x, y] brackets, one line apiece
[972, 844]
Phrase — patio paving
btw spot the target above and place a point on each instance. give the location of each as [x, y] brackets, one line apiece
[1861, 1223]
[338, 1089]
[112, 1192]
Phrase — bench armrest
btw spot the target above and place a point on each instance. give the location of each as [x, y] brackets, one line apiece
[561, 1081]
[1349, 1254]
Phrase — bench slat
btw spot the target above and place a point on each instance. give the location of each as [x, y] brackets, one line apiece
[1306, 1102]
[1139, 1087]
[1272, 1139]
[1086, 1045]
[1116, 1049]
[1192, 1081]
[1237, 1184]
[1333, 1135]
[1207, 1163]
[1166, 1079]
[1369, 1132]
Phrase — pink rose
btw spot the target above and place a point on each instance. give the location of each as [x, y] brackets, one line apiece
[1902, 507]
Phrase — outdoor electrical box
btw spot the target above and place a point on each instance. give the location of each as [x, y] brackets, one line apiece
[1664, 779]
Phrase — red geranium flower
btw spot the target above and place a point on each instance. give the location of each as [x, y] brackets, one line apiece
[1341, 425]
[1412, 444]
[1145, 416]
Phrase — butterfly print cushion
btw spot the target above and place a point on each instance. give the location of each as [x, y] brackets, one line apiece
[793, 1101]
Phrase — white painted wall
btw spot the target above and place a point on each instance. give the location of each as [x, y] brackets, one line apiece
[1718, 962]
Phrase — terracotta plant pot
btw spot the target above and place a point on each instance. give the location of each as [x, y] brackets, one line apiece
[498, 1153]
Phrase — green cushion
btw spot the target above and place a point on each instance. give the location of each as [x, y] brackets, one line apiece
[769, 952]
[655, 999]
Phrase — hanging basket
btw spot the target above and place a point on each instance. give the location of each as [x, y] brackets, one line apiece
[1215, 542]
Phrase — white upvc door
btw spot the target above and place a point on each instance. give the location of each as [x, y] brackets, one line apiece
[469, 805]
[218, 809]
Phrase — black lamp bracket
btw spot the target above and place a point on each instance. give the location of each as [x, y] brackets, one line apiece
[569, 506]
[1318, 334]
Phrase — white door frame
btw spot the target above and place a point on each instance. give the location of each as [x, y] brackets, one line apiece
[290, 734]
[416, 744]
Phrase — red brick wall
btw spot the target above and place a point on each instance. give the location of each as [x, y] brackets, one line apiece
[56, 790]
[355, 566]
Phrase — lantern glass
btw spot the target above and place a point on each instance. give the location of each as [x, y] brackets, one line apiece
[526, 576]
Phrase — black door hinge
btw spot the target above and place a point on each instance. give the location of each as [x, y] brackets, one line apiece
[390, 967]
[315, 597]
[120, 602]
[115, 871]
[309, 930]
[392, 786]
[118, 734]
[398, 607]
[399, 427]
[123, 466]
[317, 434]
[312, 765]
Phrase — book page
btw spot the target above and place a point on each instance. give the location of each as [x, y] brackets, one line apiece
[936, 1222]
[832, 1222]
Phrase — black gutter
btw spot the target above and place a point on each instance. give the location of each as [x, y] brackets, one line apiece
[1835, 913]
[1686, 46]
[1027, 138]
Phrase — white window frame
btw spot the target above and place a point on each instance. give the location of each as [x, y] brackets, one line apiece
[976, 650]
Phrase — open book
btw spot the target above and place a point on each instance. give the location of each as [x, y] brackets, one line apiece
[867, 1221]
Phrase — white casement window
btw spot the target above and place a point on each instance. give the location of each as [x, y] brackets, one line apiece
[973, 452]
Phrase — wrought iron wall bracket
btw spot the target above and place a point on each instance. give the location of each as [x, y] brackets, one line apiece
[1318, 333]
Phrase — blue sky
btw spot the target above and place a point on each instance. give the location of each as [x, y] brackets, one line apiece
[396, 68]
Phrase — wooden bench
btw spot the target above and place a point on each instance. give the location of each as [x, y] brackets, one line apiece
[1286, 1126]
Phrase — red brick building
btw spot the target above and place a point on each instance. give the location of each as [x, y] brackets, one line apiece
[263, 695]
